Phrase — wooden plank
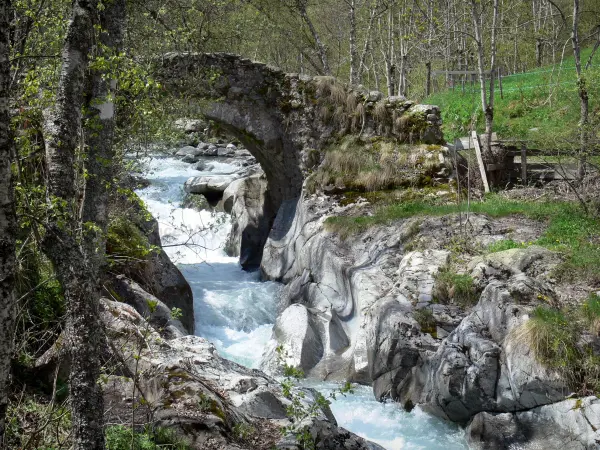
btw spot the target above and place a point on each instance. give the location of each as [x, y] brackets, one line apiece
[524, 165]
[486, 186]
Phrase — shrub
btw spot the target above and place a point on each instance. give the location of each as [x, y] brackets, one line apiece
[125, 242]
[119, 437]
[455, 287]
[426, 321]
[591, 313]
[554, 336]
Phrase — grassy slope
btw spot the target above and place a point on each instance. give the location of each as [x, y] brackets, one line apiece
[544, 98]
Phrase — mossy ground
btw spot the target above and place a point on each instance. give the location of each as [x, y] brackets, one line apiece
[370, 165]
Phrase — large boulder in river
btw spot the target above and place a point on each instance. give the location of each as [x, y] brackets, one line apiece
[249, 203]
[188, 150]
[209, 185]
[300, 342]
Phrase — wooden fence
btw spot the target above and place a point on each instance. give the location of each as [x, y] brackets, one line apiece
[517, 165]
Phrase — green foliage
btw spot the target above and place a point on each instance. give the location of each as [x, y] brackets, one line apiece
[34, 423]
[126, 243]
[361, 165]
[591, 313]
[119, 437]
[571, 231]
[300, 408]
[243, 431]
[176, 313]
[426, 321]
[554, 337]
[506, 244]
[455, 287]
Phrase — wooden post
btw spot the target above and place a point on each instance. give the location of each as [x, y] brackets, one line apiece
[523, 164]
[486, 186]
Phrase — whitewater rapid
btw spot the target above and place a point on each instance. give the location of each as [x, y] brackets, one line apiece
[236, 311]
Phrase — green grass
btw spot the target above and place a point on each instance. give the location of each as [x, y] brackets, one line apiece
[569, 231]
[455, 287]
[554, 336]
[119, 437]
[540, 99]
[506, 244]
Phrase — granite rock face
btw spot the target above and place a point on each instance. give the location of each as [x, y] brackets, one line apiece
[183, 384]
[250, 206]
[569, 424]
[352, 310]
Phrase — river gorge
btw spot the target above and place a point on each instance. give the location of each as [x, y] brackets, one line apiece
[236, 311]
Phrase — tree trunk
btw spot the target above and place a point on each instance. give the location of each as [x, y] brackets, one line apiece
[366, 46]
[99, 134]
[8, 227]
[353, 51]
[428, 79]
[582, 91]
[62, 236]
[486, 105]
[313, 31]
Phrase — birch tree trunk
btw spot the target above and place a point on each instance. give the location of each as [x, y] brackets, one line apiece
[62, 239]
[8, 226]
[301, 6]
[353, 51]
[366, 46]
[584, 104]
[99, 133]
[487, 105]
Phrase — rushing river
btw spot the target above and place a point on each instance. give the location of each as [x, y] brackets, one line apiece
[236, 311]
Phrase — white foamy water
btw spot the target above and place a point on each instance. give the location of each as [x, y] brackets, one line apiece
[236, 311]
[388, 425]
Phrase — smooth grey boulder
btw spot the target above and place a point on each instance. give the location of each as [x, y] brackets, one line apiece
[572, 424]
[327, 436]
[183, 384]
[295, 331]
[210, 150]
[209, 184]
[226, 151]
[483, 365]
[148, 306]
[191, 159]
[248, 202]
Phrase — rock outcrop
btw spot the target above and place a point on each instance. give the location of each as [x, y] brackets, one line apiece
[184, 385]
[353, 307]
[250, 206]
[156, 273]
[570, 424]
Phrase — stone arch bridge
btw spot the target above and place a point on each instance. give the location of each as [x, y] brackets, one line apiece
[285, 120]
